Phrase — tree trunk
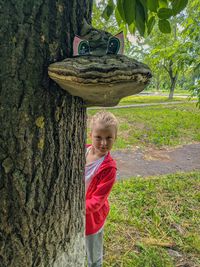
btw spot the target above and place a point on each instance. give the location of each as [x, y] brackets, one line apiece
[158, 82]
[173, 79]
[172, 87]
[42, 137]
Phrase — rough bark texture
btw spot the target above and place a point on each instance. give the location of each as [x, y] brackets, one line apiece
[42, 137]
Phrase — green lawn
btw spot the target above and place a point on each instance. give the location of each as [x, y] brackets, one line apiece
[178, 91]
[149, 99]
[154, 222]
[158, 125]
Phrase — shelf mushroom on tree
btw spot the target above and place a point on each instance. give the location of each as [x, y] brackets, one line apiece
[98, 72]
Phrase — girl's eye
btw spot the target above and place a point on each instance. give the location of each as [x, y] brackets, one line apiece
[113, 46]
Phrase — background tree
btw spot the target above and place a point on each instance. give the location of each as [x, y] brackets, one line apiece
[42, 137]
[178, 52]
[169, 52]
[191, 26]
[143, 17]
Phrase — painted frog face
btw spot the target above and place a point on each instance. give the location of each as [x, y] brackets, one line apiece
[115, 46]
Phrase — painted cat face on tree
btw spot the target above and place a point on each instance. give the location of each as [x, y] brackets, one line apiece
[98, 72]
[115, 46]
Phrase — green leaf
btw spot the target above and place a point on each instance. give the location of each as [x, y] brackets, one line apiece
[152, 5]
[144, 3]
[163, 3]
[129, 11]
[124, 28]
[131, 28]
[108, 10]
[164, 26]
[140, 18]
[164, 13]
[121, 9]
[150, 24]
[118, 17]
[178, 6]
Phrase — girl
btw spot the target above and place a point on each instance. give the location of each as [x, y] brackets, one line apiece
[100, 174]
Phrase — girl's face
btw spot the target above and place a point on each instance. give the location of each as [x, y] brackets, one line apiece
[102, 138]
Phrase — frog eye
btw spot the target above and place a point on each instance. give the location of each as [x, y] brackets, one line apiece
[116, 44]
[113, 46]
[80, 47]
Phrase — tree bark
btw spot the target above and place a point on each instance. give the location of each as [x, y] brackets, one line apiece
[173, 85]
[157, 78]
[173, 78]
[42, 137]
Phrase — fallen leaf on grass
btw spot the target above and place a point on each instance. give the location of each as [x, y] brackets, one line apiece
[156, 242]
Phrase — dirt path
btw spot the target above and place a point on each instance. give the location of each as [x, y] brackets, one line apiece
[151, 161]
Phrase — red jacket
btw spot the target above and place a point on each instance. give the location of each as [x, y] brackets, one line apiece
[97, 206]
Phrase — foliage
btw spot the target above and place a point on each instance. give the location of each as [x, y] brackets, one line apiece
[177, 52]
[143, 14]
[191, 25]
[168, 54]
[155, 217]
[103, 24]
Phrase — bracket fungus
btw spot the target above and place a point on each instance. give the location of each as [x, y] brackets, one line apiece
[98, 73]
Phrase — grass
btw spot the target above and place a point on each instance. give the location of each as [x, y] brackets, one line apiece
[149, 99]
[154, 222]
[166, 91]
[158, 125]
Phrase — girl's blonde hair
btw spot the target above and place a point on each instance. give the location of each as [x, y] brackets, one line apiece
[106, 118]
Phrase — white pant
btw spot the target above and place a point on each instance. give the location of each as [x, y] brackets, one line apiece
[94, 248]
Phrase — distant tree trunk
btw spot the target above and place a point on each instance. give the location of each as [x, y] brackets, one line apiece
[173, 78]
[173, 84]
[158, 82]
[42, 137]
